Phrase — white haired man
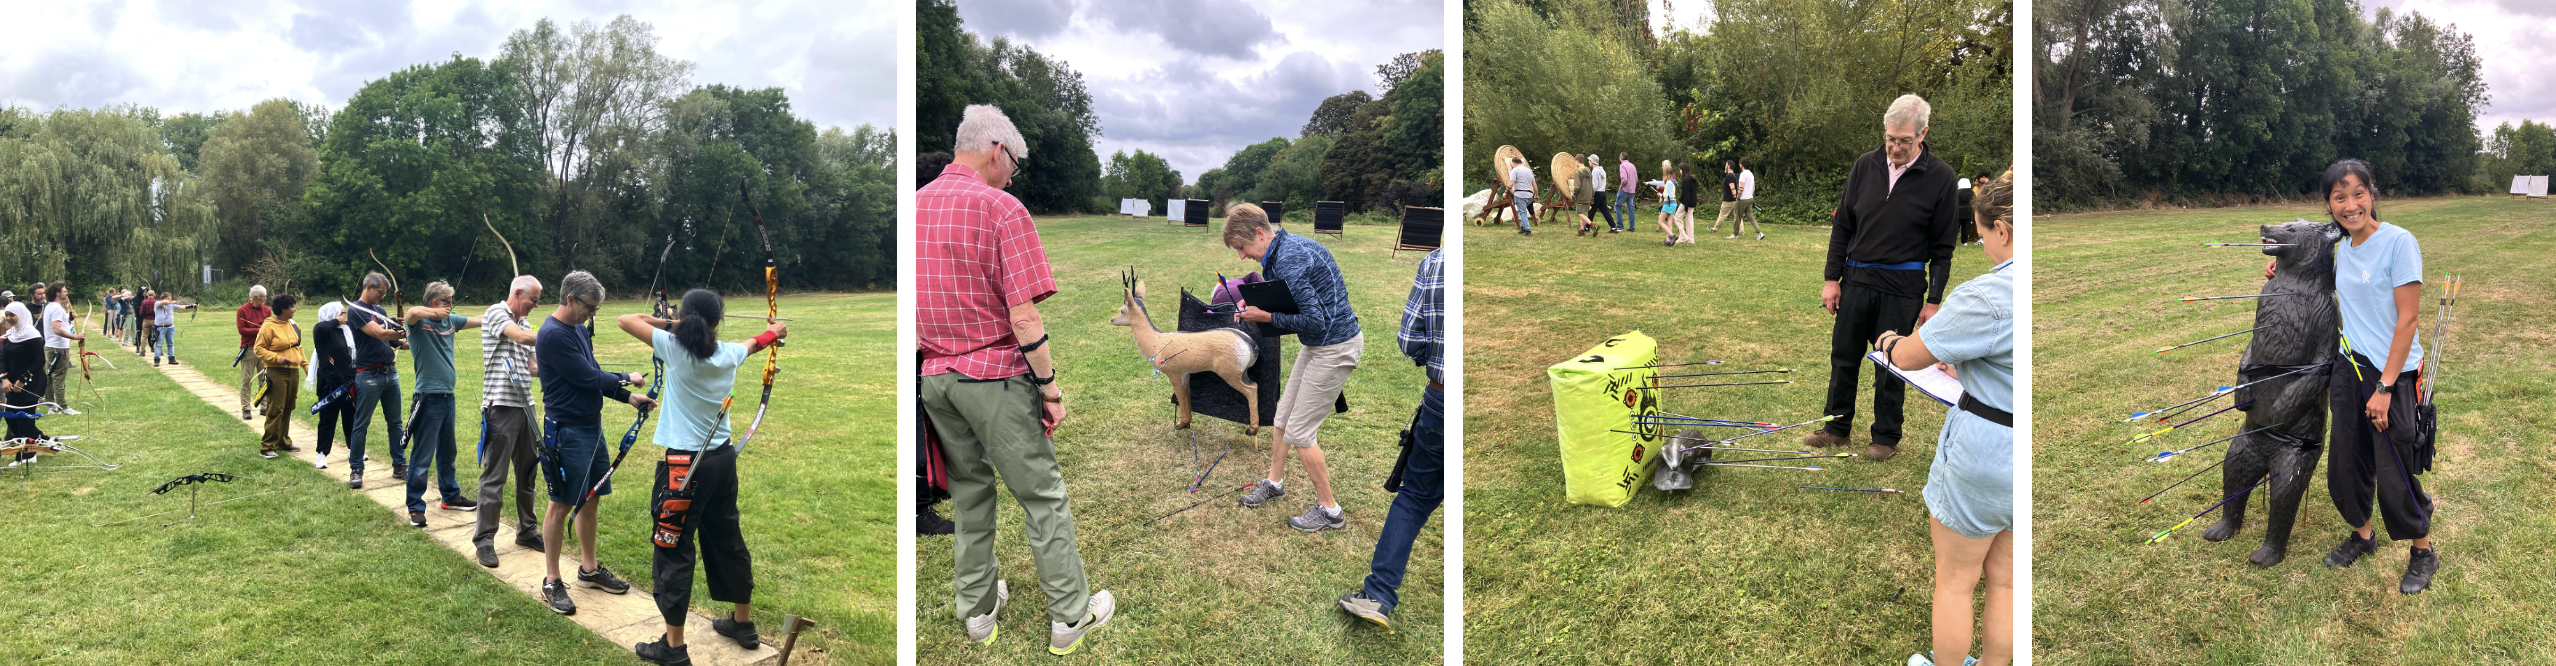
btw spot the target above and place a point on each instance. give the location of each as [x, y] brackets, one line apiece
[508, 441]
[430, 433]
[1890, 249]
[988, 379]
[248, 320]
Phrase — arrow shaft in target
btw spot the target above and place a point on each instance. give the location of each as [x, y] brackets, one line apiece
[2195, 342]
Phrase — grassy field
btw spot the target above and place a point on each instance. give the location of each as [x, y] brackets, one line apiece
[1219, 583]
[318, 574]
[2104, 298]
[1745, 567]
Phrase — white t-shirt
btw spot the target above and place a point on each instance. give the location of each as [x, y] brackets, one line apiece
[55, 314]
[1748, 184]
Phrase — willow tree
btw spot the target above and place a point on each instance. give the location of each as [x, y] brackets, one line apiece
[1550, 86]
[94, 196]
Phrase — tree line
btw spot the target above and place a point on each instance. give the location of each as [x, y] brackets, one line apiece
[1797, 88]
[585, 147]
[2155, 100]
[1369, 152]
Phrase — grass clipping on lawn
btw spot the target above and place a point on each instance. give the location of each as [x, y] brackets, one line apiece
[817, 485]
[2105, 290]
[1745, 566]
[1219, 581]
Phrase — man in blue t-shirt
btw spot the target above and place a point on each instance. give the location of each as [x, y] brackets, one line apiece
[431, 347]
[574, 459]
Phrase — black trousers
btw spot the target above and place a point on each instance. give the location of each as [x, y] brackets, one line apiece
[1862, 314]
[2363, 462]
[710, 522]
[1597, 207]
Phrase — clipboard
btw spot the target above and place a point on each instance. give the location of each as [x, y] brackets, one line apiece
[1272, 296]
[1931, 381]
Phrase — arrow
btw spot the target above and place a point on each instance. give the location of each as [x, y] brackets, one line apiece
[2247, 244]
[1714, 374]
[1671, 365]
[2222, 298]
[1811, 469]
[2214, 507]
[2230, 335]
[2223, 390]
[2194, 475]
[1860, 490]
[1823, 419]
[2197, 419]
[1823, 455]
[2163, 456]
[1646, 388]
[1756, 426]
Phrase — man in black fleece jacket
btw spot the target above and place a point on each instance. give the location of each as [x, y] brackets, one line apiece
[1890, 249]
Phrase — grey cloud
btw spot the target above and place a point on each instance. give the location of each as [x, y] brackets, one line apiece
[207, 16]
[1026, 19]
[74, 78]
[1227, 28]
[1197, 119]
[851, 80]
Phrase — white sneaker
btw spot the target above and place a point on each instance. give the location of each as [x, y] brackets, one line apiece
[66, 411]
[980, 629]
[1063, 639]
[319, 461]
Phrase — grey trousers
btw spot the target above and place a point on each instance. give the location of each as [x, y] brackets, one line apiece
[990, 429]
[512, 444]
[57, 373]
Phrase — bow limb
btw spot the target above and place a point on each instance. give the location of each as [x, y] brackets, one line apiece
[771, 309]
[510, 247]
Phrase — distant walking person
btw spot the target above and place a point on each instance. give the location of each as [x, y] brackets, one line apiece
[1625, 178]
[1522, 194]
[989, 380]
[1730, 199]
[1667, 187]
[1890, 249]
[1598, 193]
[1748, 203]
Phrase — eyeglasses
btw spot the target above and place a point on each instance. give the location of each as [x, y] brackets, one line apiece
[1900, 142]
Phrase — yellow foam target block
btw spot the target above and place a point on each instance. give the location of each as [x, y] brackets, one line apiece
[1595, 394]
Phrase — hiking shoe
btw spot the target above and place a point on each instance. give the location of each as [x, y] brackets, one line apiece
[66, 411]
[290, 448]
[1823, 439]
[269, 455]
[602, 579]
[1063, 638]
[417, 519]
[1316, 520]
[1878, 451]
[658, 652]
[1263, 491]
[458, 504]
[1734, 234]
[355, 479]
[741, 632]
[1761, 235]
[930, 523]
[2419, 567]
[488, 555]
[981, 628]
[399, 472]
[2353, 547]
[244, 415]
[529, 539]
[554, 593]
[1365, 608]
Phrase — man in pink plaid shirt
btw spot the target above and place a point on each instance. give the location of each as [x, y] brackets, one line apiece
[988, 380]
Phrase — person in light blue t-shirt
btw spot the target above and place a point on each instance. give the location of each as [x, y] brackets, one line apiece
[2372, 451]
[1970, 487]
[699, 372]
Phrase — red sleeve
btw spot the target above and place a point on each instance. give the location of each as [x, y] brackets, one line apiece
[1021, 260]
[248, 320]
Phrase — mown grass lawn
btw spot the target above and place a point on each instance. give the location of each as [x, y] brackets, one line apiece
[320, 575]
[1745, 567]
[1218, 583]
[2105, 289]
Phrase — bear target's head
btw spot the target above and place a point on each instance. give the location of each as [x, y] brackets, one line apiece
[2310, 245]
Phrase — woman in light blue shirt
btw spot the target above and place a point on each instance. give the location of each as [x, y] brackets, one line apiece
[698, 371]
[2372, 452]
[1970, 488]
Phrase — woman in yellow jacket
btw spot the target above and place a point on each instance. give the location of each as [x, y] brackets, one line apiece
[279, 346]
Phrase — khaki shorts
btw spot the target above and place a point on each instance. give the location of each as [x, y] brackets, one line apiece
[1313, 385]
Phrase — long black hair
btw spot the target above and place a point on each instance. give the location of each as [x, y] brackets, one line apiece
[2334, 175]
[698, 328]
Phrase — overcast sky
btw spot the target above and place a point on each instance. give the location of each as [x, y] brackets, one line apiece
[2517, 41]
[835, 58]
[1196, 80]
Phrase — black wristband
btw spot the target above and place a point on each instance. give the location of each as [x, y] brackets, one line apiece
[1034, 380]
[1033, 346]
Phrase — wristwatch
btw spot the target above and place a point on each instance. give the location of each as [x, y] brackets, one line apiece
[2386, 388]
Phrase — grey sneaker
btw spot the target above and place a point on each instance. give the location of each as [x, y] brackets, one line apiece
[488, 555]
[1366, 609]
[1316, 520]
[1062, 639]
[554, 593]
[602, 579]
[1262, 492]
[981, 629]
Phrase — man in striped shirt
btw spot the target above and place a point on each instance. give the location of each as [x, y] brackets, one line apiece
[988, 379]
[1419, 473]
[507, 440]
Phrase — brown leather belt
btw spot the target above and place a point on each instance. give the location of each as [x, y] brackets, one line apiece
[1435, 386]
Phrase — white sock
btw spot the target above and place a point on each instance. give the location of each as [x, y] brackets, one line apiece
[1332, 511]
[1273, 483]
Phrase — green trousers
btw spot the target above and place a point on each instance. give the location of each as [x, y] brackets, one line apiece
[990, 429]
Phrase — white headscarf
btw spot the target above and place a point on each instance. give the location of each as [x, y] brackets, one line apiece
[327, 313]
[26, 328]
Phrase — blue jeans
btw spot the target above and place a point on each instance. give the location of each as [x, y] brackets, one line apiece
[433, 436]
[1521, 203]
[1624, 208]
[370, 389]
[161, 344]
[1423, 486]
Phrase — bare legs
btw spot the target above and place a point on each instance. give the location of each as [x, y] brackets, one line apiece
[1959, 562]
[1314, 467]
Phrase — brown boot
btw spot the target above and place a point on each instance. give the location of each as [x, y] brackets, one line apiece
[1878, 452]
[1822, 439]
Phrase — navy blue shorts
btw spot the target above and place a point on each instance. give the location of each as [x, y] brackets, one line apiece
[578, 459]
